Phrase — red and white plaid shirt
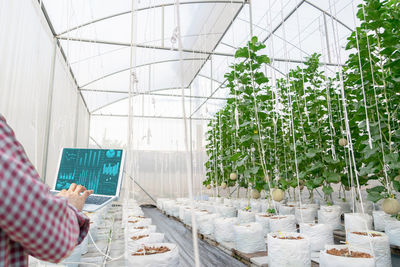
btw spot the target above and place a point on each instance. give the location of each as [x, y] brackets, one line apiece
[32, 221]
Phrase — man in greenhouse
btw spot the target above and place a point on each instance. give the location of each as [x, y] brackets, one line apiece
[32, 221]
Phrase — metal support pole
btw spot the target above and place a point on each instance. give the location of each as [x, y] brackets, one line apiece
[76, 119]
[162, 27]
[251, 18]
[49, 112]
[327, 39]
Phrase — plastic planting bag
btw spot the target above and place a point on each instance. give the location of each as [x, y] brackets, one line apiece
[255, 206]
[381, 218]
[263, 219]
[223, 229]
[357, 222]
[392, 229]
[150, 238]
[225, 211]
[206, 224]
[166, 259]
[305, 215]
[182, 212]
[328, 260]
[284, 223]
[288, 249]
[198, 214]
[319, 234]
[368, 207]
[379, 243]
[187, 218]
[138, 222]
[132, 229]
[330, 215]
[287, 210]
[344, 206]
[246, 216]
[249, 238]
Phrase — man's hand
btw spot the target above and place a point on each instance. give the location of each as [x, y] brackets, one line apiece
[74, 196]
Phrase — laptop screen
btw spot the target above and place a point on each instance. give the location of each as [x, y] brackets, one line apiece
[96, 169]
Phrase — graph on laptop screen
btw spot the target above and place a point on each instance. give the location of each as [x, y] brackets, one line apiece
[96, 169]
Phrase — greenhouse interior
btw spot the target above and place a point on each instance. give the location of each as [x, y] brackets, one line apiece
[200, 133]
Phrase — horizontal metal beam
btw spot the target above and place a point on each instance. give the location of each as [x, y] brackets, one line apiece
[284, 20]
[148, 117]
[138, 66]
[96, 41]
[328, 14]
[146, 8]
[149, 93]
[189, 51]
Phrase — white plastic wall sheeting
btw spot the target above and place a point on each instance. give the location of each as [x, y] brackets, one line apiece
[26, 60]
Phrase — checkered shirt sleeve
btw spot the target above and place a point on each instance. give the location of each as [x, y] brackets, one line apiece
[32, 221]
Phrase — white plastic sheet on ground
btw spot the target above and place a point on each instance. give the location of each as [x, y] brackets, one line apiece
[319, 234]
[284, 223]
[380, 246]
[223, 229]
[167, 259]
[285, 252]
[249, 238]
[357, 222]
[327, 260]
[392, 229]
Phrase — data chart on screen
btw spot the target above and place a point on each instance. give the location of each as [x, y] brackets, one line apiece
[96, 169]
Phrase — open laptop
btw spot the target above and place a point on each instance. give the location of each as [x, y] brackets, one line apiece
[99, 170]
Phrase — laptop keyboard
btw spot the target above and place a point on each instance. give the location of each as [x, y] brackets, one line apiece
[97, 200]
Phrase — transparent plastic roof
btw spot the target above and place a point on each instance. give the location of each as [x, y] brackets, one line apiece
[96, 38]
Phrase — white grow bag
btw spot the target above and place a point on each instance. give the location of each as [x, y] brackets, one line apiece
[263, 219]
[206, 224]
[392, 229]
[319, 234]
[380, 245]
[152, 238]
[255, 206]
[149, 228]
[225, 211]
[287, 210]
[182, 212]
[381, 218]
[286, 252]
[138, 222]
[167, 259]
[285, 223]
[357, 222]
[344, 206]
[327, 260]
[368, 207]
[305, 214]
[223, 229]
[246, 216]
[249, 238]
[330, 215]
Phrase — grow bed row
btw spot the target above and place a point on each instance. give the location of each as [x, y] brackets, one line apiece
[250, 259]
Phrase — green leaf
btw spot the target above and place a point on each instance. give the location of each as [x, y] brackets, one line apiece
[327, 190]
[235, 156]
[332, 177]
[378, 189]
[374, 196]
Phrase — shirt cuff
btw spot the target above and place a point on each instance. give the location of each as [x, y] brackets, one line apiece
[83, 222]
